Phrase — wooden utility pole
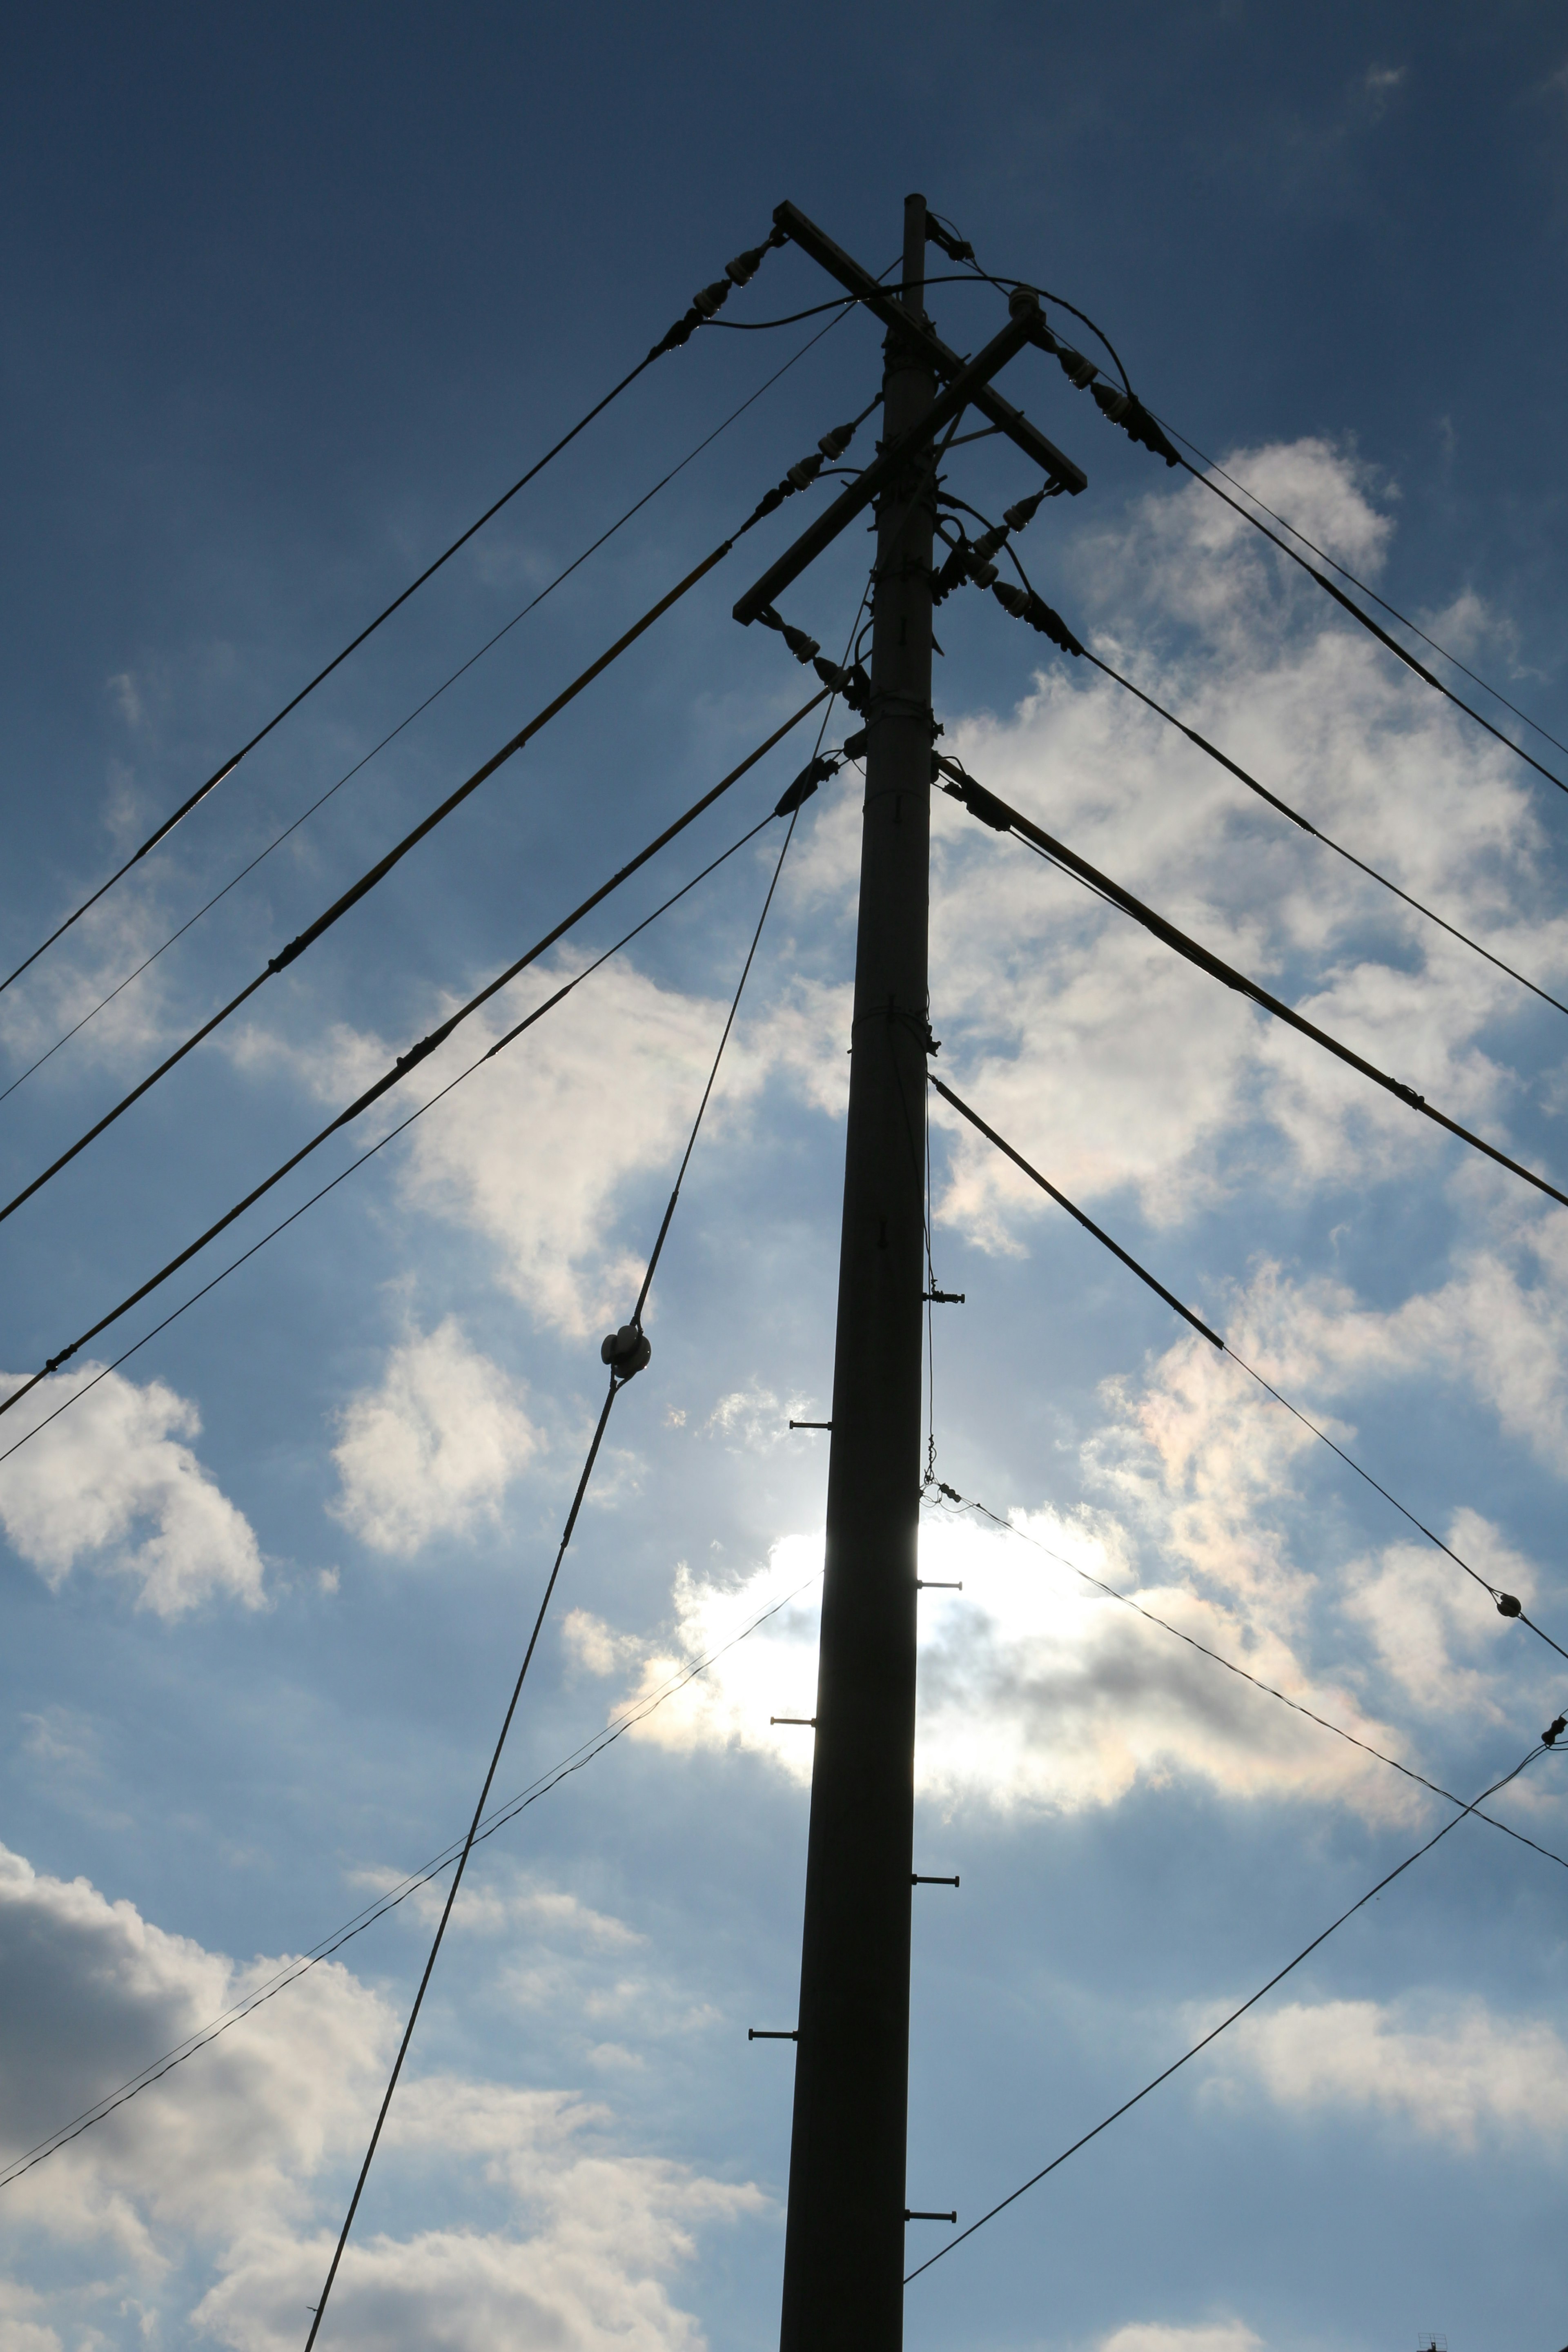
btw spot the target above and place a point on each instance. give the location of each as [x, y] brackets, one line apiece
[844, 2250]
[844, 2245]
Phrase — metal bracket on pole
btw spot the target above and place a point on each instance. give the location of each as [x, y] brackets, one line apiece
[964, 389]
[890, 311]
[771, 2033]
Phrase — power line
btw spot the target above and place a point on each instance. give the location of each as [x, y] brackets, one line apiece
[799, 478]
[1010, 1526]
[738, 272]
[1345, 574]
[420, 708]
[1001, 818]
[626, 1352]
[1144, 426]
[1214, 2032]
[1507, 1603]
[585, 1753]
[415, 1054]
[1033, 610]
[390, 1135]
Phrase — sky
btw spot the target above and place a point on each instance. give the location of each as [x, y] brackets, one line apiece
[291, 297]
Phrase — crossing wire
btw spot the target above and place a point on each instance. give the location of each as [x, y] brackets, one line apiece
[618, 1381]
[415, 1054]
[420, 708]
[1506, 1603]
[1214, 2032]
[671, 341]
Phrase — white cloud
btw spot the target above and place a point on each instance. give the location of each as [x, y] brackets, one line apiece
[1155, 2335]
[431, 1450]
[222, 2183]
[1035, 1691]
[111, 1485]
[1453, 2071]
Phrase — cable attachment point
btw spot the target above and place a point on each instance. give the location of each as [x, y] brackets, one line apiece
[976, 798]
[1506, 1606]
[1026, 605]
[1125, 409]
[852, 685]
[1554, 1731]
[1020, 517]
[951, 1492]
[956, 247]
[816, 771]
[627, 1351]
[804, 648]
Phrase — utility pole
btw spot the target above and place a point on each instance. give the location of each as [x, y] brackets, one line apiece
[843, 2249]
[844, 2245]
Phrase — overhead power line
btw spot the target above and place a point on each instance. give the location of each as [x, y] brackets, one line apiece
[1001, 818]
[1345, 574]
[1140, 423]
[1507, 1603]
[626, 1352]
[420, 708]
[973, 561]
[1226, 2022]
[799, 478]
[1129, 1600]
[402, 1126]
[587, 1752]
[416, 1052]
[703, 307]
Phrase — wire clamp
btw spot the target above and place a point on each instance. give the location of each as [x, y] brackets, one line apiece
[943, 1298]
[919, 1878]
[773, 2034]
[627, 1351]
[1554, 1731]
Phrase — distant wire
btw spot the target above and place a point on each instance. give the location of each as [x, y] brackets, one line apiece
[415, 1054]
[1345, 574]
[618, 1380]
[1214, 2032]
[580, 1757]
[1010, 1526]
[1507, 1603]
[420, 708]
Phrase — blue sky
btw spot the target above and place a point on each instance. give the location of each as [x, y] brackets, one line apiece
[290, 297]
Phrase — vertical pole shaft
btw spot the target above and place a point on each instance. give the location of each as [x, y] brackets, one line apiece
[844, 2251]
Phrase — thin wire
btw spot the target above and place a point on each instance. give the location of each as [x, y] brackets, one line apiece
[1229, 977]
[1214, 2032]
[1233, 768]
[1375, 628]
[390, 1135]
[1198, 1325]
[229, 765]
[374, 873]
[406, 1062]
[1010, 1526]
[1345, 574]
[616, 1384]
[420, 708]
[587, 1752]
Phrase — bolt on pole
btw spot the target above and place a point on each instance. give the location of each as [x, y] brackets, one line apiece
[843, 2249]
